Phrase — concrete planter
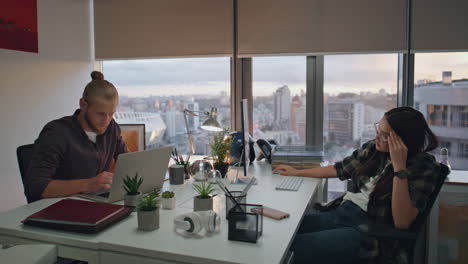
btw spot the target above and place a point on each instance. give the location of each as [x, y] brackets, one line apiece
[168, 203]
[131, 200]
[148, 220]
[202, 204]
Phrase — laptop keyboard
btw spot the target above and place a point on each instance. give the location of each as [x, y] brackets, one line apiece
[289, 183]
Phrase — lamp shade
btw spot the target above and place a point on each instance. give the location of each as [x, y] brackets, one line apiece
[211, 125]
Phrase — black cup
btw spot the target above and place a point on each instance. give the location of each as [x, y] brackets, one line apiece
[176, 174]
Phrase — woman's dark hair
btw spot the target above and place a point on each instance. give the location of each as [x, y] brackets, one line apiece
[410, 125]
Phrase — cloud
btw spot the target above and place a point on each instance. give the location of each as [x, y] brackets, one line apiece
[342, 73]
[167, 71]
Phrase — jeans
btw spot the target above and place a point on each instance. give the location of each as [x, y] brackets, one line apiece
[330, 237]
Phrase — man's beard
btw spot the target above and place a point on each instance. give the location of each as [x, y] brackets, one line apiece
[90, 124]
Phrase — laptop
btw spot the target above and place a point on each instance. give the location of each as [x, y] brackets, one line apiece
[151, 165]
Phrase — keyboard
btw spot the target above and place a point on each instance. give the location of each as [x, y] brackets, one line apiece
[289, 183]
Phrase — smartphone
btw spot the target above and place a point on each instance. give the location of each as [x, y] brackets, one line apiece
[270, 212]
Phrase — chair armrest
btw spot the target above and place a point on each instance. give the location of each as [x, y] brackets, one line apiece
[386, 232]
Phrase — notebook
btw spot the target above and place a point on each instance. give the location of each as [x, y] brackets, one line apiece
[78, 215]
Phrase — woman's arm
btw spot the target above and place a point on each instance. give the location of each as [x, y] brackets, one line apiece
[403, 210]
[322, 172]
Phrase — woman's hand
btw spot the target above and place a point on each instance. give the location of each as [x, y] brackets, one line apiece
[286, 170]
[398, 152]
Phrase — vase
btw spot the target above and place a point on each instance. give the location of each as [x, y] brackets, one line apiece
[200, 170]
[131, 200]
[223, 168]
[148, 220]
[202, 204]
[168, 203]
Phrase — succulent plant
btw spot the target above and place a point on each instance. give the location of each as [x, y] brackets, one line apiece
[204, 189]
[132, 184]
[148, 202]
[168, 194]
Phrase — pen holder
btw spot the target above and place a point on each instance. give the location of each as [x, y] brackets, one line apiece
[245, 225]
[176, 174]
[240, 199]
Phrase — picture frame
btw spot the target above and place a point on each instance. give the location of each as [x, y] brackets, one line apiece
[134, 135]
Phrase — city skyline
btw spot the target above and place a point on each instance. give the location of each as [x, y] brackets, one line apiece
[343, 73]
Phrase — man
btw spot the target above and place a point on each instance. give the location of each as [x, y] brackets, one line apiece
[73, 154]
[97, 75]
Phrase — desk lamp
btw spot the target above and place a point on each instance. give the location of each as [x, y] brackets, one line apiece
[210, 124]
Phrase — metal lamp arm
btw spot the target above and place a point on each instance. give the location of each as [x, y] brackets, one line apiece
[189, 134]
[195, 113]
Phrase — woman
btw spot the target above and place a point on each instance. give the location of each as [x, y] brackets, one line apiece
[395, 175]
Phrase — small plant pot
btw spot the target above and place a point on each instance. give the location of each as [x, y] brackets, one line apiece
[168, 203]
[148, 220]
[202, 204]
[131, 200]
[222, 167]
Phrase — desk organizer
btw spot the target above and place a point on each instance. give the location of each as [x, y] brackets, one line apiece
[245, 223]
[239, 198]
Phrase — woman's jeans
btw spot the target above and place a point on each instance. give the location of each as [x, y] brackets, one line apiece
[330, 237]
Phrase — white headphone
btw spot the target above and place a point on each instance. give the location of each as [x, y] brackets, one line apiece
[193, 222]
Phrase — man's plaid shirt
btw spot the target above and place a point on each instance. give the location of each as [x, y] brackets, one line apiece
[423, 172]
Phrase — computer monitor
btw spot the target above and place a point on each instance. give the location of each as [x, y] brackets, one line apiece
[245, 135]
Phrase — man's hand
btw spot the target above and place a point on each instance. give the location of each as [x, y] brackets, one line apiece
[286, 170]
[102, 181]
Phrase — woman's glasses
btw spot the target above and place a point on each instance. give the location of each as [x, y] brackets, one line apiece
[383, 136]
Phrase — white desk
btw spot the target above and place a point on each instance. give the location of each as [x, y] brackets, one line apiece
[124, 243]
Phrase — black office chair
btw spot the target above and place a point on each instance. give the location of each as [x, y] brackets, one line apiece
[23, 154]
[407, 238]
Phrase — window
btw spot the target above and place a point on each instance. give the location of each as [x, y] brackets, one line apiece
[441, 92]
[156, 92]
[358, 90]
[459, 116]
[463, 150]
[279, 99]
[437, 115]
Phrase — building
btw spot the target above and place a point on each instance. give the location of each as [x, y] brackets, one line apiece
[282, 104]
[446, 110]
[193, 121]
[345, 120]
[295, 107]
[372, 114]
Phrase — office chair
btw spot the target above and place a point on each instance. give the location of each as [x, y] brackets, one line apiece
[407, 238]
[23, 154]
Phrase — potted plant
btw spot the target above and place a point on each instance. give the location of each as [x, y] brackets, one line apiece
[220, 149]
[204, 200]
[168, 200]
[148, 212]
[132, 186]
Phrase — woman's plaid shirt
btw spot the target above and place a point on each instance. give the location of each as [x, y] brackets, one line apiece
[423, 171]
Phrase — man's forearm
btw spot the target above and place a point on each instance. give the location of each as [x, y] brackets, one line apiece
[322, 172]
[62, 188]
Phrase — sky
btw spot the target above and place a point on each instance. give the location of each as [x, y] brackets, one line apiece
[343, 73]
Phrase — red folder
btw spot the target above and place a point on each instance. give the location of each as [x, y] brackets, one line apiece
[78, 216]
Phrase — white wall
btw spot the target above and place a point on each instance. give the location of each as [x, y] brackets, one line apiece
[36, 88]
